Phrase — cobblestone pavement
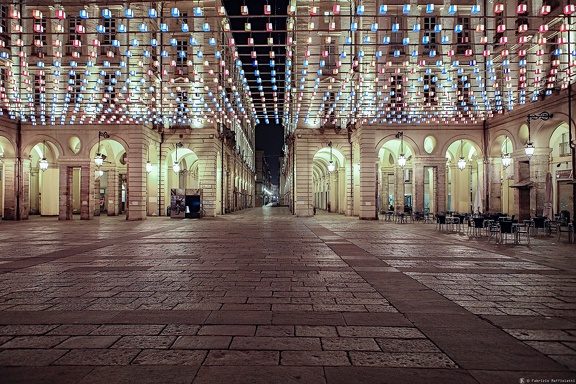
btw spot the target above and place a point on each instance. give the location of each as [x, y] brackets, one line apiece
[261, 296]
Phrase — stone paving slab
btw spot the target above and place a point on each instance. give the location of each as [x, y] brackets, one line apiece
[260, 296]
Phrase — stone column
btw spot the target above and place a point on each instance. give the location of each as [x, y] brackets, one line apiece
[112, 193]
[25, 192]
[207, 153]
[136, 178]
[453, 175]
[230, 183]
[418, 185]
[368, 160]
[440, 187]
[334, 193]
[495, 185]
[349, 183]
[96, 196]
[303, 174]
[87, 203]
[399, 189]
[66, 177]
[34, 191]
[10, 189]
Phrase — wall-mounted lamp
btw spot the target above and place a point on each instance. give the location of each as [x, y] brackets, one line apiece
[331, 166]
[529, 149]
[462, 160]
[401, 157]
[506, 159]
[176, 165]
[99, 158]
[43, 163]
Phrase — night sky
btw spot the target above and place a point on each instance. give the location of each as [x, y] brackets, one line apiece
[270, 139]
[269, 134]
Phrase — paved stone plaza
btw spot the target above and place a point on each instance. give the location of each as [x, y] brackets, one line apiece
[261, 296]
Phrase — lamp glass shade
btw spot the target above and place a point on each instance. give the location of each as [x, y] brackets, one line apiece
[506, 160]
[462, 164]
[176, 167]
[529, 150]
[331, 166]
[402, 160]
[98, 160]
[148, 166]
[43, 164]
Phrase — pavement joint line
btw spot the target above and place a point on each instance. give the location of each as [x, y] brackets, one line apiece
[462, 358]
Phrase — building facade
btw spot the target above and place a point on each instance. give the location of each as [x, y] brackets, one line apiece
[128, 84]
[421, 105]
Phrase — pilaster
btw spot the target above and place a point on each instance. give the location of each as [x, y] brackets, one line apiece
[66, 177]
[368, 159]
[303, 174]
[86, 191]
[113, 193]
[10, 189]
[137, 176]
[418, 185]
[399, 188]
[25, 192]
[495, 183]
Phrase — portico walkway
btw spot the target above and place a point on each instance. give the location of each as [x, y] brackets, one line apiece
[261, 296]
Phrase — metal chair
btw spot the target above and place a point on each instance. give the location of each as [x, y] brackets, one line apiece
[522, 230]
[540, 223]
[505, 230]
[494, 230]
[440, 222]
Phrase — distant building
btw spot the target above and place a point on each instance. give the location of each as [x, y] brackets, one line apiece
[263, 179]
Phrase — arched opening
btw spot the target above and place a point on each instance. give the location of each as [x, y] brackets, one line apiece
[110, 178]
[396, 179]
[328, 180]
[464, 178]
[44, 185]
[561, 172]
[6, 164]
